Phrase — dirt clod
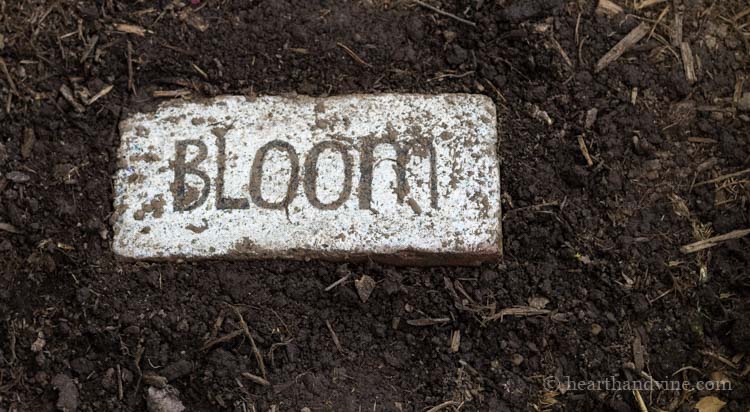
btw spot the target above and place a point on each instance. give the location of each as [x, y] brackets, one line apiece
[67, 393]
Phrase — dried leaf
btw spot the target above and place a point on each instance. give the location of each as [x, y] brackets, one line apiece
[710, 404]
[365, 285]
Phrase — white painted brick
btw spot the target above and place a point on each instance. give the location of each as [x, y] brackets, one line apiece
[451, 218]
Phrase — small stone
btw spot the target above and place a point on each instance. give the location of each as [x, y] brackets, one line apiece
[596, 329]
[132, 330]
[39, 343]
[164, 400]
[41, 377]
[365, 285]
[83, 294]
[17, 177]
[488, 276]
[183, 326]
[516, 359]
[457, 55]
[744, 102]
[538, 302]
[591, 118]
[67, 398]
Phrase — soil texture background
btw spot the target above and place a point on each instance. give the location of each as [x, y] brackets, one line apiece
[605, 175]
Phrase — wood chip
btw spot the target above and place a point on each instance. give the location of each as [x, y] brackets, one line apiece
[130, 29]
[688, 62]
[624, 45]
[638, 353]
[171, 93]
[608, 8]
[68, 95]
[677, 30]
[29, 139]
[455, 340]
[647, 3]
[714, 241]
[702, 140]
[7, 227]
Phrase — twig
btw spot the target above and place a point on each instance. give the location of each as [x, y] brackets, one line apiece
[353, 55]
[442, 406]
[257, 379]
[103, 92]
[334, 337]
[245, 329]
[445, 13]
[585, 151]
[427, 321]
[639, 399]
[5, 70]
[517, 311]
[338, 282]
[723, 177]
[562, 52]
[626, 43]
[714, 241]
[119, 383]
[171, 93]
[719, 358]
[647, 3]
[222, 339]
[131, 84]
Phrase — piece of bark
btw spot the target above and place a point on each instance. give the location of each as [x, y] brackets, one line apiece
[624, 45]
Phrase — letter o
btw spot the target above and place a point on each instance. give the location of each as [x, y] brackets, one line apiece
[256, 175]
[311, 174]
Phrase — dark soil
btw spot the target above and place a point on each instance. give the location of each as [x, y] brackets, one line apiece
[597, 245]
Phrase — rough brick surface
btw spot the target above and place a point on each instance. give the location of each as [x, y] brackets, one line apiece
[397, 178]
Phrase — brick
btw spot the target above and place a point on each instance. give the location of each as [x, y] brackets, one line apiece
[397, 178]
